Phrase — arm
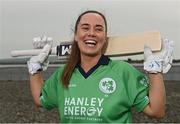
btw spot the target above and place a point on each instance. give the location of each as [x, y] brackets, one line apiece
[156, 65]
[36, 64]
[36, 83]
[157, 97]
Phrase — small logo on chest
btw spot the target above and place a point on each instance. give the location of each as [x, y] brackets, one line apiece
[107, 85]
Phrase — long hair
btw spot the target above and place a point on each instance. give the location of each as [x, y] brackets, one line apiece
[74, 57]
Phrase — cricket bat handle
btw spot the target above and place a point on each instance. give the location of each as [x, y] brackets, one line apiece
[32, 52]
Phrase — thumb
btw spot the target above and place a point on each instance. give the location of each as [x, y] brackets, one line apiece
[46, 48]
[147, 52]
[44, 53]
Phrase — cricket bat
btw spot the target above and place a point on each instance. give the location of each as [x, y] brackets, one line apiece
[130, 44]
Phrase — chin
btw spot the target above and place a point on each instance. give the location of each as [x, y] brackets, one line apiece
[91, 54]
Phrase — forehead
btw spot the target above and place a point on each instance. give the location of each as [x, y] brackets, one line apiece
[92, 18]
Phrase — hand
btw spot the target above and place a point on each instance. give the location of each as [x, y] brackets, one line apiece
[160, 61]
[40, 42]
[40, 62]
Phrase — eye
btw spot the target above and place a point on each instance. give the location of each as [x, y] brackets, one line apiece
[99, 29]
[85, 28]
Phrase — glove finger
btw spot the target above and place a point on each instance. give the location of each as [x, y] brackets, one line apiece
[166, 68]
[167, 47]
[40, 42]
[44, 53]
[147, 52]
[168, 54]
[49, 40]
[36, 42]
[47, 48]
[44, 40]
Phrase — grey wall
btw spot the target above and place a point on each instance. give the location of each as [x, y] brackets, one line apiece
[15, 73]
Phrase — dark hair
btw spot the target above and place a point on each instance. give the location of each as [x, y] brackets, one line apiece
[74, 57]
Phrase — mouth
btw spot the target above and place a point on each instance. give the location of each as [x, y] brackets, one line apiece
[90, 43]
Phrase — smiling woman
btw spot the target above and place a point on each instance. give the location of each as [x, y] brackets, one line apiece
[93, 88]
[90, 28]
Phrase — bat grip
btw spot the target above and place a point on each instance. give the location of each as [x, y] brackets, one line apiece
[32, 52]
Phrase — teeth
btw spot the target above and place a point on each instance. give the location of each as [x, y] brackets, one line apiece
[91, 41]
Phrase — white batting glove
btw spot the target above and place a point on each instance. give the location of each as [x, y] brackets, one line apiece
[160, 61]
[40, 42]
[40, 62]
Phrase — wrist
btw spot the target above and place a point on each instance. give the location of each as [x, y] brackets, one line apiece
[34, 68]
[158, 76]
[155, 74]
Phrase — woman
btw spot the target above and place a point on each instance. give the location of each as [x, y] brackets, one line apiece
[93, 88]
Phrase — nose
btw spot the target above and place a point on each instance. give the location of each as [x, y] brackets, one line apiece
[91, 32]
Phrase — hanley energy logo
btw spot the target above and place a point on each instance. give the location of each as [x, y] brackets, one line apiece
[107, 85]
[83, 108]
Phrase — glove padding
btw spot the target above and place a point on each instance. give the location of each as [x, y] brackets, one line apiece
[40, 42]
[160, 61]
[40, 62]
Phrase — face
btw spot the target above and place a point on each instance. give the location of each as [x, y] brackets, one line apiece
[91, 34]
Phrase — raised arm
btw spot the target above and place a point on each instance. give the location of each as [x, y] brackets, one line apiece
[156, 65]
[157, 96]
[36, 64]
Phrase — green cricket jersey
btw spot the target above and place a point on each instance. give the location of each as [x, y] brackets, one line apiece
[104, 94]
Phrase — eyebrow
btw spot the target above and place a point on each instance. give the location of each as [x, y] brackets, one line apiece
[86, 24]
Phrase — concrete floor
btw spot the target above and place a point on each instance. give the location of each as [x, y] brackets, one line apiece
[16, 105]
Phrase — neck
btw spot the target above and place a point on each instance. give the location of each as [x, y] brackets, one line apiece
[87, 62]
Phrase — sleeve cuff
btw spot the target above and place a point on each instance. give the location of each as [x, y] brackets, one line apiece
[43, 103]
[142, 104]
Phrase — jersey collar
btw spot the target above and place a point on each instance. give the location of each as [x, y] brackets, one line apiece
[104, 60]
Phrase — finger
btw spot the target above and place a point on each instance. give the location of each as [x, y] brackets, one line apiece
[171, 44]
[36, 42]
[49, 40]
[43, 55]
[38, 39]
[166, 68]
[168, 54]
[164, 47]
[167, 45]
[35, 39]
[44, 39]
